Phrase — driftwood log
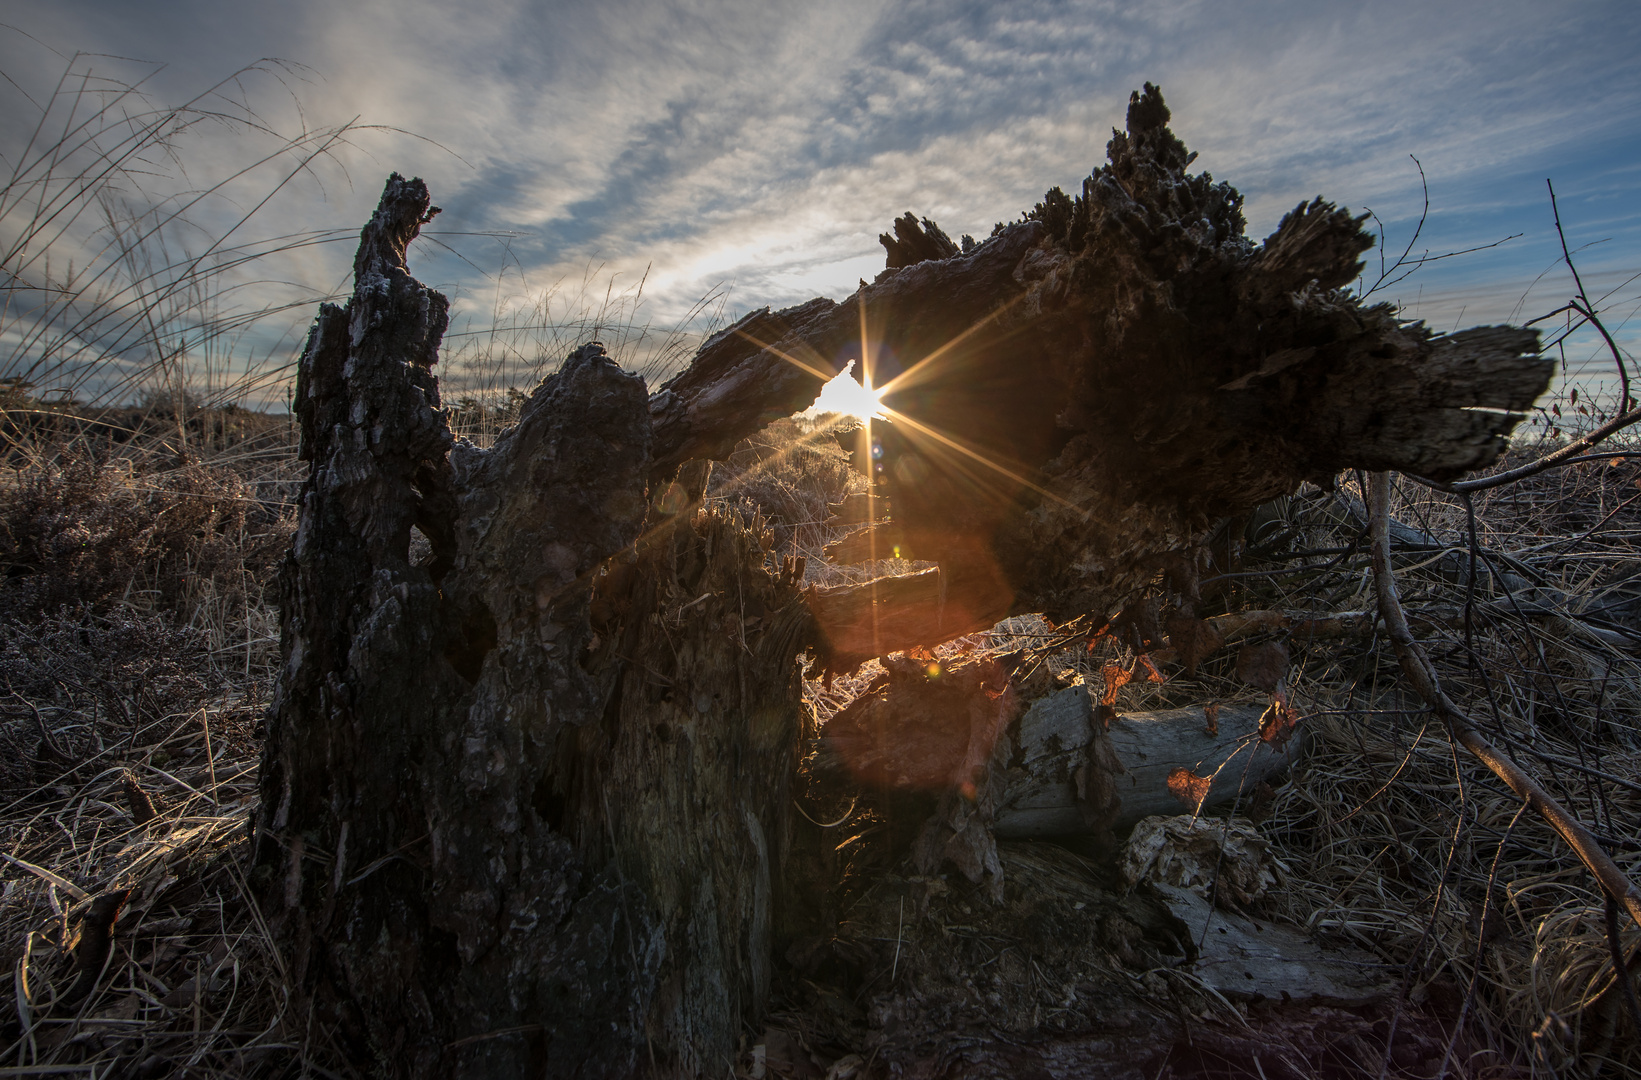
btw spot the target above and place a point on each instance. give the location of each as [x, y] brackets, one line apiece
[524, 806]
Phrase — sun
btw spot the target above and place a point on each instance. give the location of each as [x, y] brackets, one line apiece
[842, 394]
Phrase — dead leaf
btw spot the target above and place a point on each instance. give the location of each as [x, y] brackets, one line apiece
[1188, 787]
[1277, 724]
[141, 803]
[1264, 666]
[1115, 679]
[1155, 675]
[96, 941]
[1210, 716]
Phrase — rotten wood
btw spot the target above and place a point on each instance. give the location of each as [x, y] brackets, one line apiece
[523, 808]
[523, 803]
[1055, 771]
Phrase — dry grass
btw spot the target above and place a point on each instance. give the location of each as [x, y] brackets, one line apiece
[137, 644]
[1393, 837]
[144, 648]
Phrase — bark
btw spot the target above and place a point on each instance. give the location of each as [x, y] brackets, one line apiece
[513, 826]
[1075, 400]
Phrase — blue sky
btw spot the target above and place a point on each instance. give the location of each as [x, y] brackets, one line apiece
[753, 151]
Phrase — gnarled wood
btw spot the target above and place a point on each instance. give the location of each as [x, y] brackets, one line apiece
[523, 803]
[1076, 399]
[507, 830]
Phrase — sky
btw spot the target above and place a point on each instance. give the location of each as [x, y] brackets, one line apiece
[730, 155]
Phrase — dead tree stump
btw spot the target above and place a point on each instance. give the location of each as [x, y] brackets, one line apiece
[523, 804]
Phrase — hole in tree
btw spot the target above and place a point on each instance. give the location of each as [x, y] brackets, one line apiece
[548, 804]
[421, 548]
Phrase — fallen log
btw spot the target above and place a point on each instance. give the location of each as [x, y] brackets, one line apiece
[1073, 402]
[1062, 764]
[524, 803]
[1055, 771]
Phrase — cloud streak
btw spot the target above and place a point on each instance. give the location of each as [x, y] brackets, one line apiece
[766, 144]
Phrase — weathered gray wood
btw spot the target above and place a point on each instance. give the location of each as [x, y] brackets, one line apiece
[1053, 772]
[1151, 745]
[1043, 794]
[1247, 959]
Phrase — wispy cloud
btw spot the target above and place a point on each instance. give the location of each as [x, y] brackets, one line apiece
[766, 144]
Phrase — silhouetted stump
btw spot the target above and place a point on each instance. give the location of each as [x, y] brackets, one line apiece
[507, 829]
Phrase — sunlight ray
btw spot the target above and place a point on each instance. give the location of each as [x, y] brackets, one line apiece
[905, 380]
[924, 429]
[819, 373]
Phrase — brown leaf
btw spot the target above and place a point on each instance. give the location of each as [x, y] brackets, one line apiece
[141, 803]
[1264, 666]
[1188, 787]
[1194, 639]
[96, 942]
[1115, 679]
[1210, 716]
[1277, 724]
[1155, 675]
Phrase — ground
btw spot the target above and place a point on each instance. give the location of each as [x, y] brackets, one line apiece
[139, 648]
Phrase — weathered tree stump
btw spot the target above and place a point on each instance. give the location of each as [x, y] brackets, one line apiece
[510, 827]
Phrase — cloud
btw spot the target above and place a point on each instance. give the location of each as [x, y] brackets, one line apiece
[766, 144]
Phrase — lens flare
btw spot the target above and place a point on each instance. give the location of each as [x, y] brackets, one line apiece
[842, 394]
